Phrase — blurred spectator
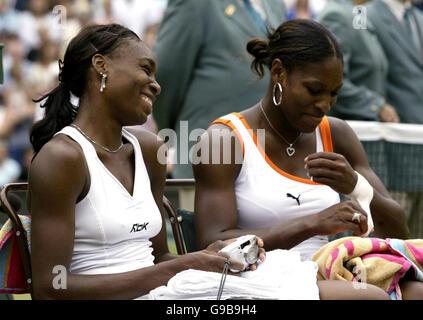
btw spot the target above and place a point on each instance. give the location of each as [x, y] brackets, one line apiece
[14, 56]
[418, 4]
[398, 26]
[9, 168]
[17, 104]
[362, 96]
[103, 12]
[301, 9]
[307, 9]
[137, 15]
[38, 25]
[9, 17]
[17, 110]
[43, 74]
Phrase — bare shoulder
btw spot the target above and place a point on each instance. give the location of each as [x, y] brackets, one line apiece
[343, 136]
[218, 156]
[59, 160]
[58, 174]
[346, 142]
[147, 139]
[337, 125]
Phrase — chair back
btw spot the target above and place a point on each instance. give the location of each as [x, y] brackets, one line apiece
[182, 232]
[20, 232]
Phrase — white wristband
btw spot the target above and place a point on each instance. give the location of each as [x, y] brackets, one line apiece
[363, 194]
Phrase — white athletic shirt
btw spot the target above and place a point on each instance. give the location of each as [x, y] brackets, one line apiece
[267, 195]
[113, 227]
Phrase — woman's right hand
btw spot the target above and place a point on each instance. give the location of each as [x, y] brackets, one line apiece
[338, 218]
[209, 259]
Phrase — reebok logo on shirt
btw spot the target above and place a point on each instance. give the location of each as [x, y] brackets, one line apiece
[139, 227]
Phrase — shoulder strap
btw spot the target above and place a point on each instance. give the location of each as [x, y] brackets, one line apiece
[326, 136]
[232, 120]
[86, 146]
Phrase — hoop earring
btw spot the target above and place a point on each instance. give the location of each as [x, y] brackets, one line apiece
[103, 81]
[278, 86]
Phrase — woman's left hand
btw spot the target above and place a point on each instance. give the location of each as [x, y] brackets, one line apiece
[262, 254]
[331, 169]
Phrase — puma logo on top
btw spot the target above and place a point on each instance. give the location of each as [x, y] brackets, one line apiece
[294, 197]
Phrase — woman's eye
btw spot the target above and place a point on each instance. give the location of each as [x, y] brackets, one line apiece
[313, 91]
[147, 70]
[334, 94]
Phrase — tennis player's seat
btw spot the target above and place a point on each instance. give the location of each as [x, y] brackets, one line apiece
[182, 221]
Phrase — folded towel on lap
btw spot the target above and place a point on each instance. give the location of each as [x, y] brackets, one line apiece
[282, 276]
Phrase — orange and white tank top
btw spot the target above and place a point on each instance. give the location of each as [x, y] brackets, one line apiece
[267, 195]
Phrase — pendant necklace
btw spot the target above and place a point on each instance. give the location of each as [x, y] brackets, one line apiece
[290, 150]
[95, 142]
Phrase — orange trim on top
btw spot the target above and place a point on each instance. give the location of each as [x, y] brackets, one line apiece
[234, 129]
[270, 162]
[326, 135]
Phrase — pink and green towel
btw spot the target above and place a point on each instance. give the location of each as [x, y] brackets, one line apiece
[12, 276]
[379, 262]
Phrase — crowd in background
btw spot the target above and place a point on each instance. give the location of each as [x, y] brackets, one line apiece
[35, 34]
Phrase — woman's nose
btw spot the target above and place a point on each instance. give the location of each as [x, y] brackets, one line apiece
[324, 104]
[155, 87]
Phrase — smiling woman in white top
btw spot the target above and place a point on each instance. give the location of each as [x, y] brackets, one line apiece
[95, 188]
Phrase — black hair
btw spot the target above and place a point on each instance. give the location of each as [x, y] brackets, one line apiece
[59, 111]
[295, 42]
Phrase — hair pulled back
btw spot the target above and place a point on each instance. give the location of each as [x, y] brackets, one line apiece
[59, 111]
[295, 42]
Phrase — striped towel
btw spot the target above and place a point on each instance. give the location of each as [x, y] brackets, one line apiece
[12, 275]
[371, 260]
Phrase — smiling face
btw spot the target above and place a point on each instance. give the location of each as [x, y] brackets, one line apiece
[131, 87]
[309, 91]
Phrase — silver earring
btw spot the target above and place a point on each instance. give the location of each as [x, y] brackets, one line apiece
[103, 81]
[277, 86]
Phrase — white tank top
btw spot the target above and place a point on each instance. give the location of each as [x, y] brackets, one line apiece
[267, 195]
[113, 227]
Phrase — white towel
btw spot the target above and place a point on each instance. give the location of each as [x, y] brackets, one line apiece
[282, 276]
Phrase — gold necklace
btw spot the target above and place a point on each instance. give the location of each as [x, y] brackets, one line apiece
[290, 150]
[95, 142]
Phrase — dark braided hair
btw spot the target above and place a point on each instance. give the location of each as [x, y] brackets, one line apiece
[59, 111]
[295, 42]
